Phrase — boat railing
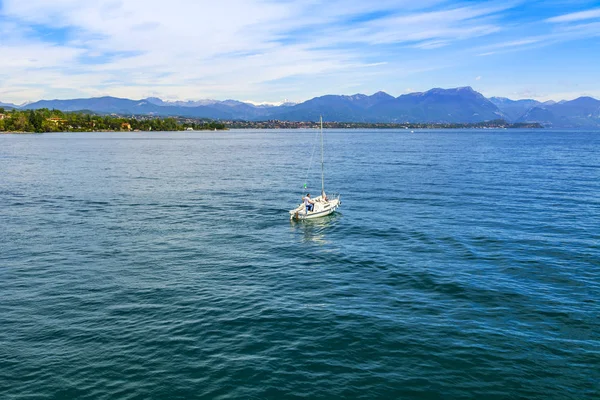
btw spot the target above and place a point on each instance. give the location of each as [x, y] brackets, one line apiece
[333, 196]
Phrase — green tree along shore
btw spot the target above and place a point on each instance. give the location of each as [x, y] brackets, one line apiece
[44, 120]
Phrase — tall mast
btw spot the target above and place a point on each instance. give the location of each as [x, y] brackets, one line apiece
[322, 168]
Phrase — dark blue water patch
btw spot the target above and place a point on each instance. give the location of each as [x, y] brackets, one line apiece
[462, 264]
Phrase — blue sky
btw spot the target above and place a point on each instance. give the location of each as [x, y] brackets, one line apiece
[270, 51]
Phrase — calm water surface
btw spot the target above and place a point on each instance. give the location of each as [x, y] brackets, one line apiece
[463, 264]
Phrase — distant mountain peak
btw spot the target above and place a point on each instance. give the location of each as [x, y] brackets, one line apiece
[154, 100]
[357, 96]
[382, 95]
[434, 91]
[585, 99]
[180, 103]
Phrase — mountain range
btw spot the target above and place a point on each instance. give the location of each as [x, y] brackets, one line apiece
[458, 105]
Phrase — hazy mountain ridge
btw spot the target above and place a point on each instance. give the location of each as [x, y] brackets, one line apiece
[583, 112]
[457, 105]
[8, 105]
[514, 109]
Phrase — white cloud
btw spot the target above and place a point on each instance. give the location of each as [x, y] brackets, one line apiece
[516, 43]
[478, 78]
[576, 16]
[431, 44]
[259, 49]
[559, 35]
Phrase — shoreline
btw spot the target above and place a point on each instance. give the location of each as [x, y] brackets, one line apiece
[410, 130]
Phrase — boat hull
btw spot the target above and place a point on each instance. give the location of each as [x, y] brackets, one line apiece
[321, 209]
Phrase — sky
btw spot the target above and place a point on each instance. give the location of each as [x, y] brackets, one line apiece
[272, 51]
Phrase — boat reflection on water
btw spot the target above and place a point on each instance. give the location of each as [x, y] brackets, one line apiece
[316, 230]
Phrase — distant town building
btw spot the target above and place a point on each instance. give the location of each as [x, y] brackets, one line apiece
[57, 120]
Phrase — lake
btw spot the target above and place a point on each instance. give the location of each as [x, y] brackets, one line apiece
[163, 265]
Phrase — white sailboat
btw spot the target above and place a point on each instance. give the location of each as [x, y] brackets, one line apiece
[322, 205]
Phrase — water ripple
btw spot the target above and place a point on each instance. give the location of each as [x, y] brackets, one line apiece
[461, 265]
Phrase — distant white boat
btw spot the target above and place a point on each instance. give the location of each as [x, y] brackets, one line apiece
[322, 205]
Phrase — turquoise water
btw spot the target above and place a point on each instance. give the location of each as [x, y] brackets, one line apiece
[462, 264]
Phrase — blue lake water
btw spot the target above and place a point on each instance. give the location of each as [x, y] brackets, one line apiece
[462, 264]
